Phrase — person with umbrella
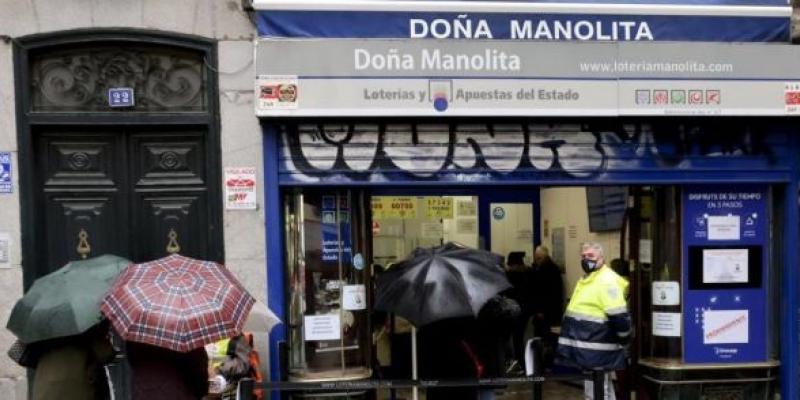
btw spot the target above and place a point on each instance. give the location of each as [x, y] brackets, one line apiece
[64, 335]
[168, 310]
[442, 290]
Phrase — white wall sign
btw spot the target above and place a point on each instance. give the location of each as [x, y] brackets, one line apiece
[6, 185]
[667, 324]
[240, 188]
[723, 227]
[726, 326]
[455, 77]
[725, 266]
[666, 293]
[354, 297]
[322, 327]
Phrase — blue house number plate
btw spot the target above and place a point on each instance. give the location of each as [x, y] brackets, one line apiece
[120, 97]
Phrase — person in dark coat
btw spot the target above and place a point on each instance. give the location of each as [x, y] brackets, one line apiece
[445, 353]
[522, 281]
[73, 367]
[548, 290]
[161, 374]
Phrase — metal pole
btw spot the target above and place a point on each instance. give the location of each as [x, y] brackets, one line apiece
[599, 384]
[536, 369]
[415, 390]
[246, 386]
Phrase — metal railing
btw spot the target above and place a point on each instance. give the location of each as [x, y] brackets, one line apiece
[535, 378]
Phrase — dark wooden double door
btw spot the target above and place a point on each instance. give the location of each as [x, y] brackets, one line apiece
[137, 192]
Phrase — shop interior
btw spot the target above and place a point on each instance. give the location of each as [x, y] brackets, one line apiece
[339, 240]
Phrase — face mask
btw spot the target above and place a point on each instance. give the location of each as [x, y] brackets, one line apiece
[588, 265]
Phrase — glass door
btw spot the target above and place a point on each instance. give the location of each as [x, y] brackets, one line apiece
[327, 251]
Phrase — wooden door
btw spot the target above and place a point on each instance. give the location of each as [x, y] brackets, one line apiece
[140, 193]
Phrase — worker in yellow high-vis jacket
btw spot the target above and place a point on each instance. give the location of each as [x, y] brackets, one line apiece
[596, 325]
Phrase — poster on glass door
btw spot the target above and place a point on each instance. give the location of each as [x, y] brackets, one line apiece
[336, 229]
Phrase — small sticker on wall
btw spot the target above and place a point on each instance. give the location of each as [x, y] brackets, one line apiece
[5, 173]
[240, 188]
[277, 93]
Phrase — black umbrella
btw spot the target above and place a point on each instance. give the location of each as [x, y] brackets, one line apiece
[443, 282]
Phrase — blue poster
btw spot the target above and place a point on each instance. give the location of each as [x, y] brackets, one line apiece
[336, 229]
[5, 173]
[725, 270]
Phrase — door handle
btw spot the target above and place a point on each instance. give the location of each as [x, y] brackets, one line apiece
[173, 246]
[83, 248]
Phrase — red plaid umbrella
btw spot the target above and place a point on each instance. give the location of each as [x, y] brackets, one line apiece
[177, 302]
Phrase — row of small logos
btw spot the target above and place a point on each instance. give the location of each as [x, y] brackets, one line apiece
[677, 96]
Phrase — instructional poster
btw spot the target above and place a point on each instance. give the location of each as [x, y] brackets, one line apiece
[322, 327]
[725, 246]
[725, 266]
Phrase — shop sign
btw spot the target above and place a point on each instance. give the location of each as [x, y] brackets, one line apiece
[6, 185]
[386, 207]
[513, 78]
[439, 207]
[580, 20]
[240, 188]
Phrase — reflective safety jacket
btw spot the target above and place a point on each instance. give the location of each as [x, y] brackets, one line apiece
[596, 324]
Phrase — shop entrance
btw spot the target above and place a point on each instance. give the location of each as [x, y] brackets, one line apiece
[642, 229]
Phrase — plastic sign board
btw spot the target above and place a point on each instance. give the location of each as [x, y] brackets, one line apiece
[381, 77]
[240, 188]
[120, 97]
[6, 185]
[725, 269]
[577, 20]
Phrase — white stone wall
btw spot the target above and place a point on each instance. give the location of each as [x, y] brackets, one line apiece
[223, 20]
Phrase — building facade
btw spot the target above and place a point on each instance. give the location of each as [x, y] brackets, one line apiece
[125, 176]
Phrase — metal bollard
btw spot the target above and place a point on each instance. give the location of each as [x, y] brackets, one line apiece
[534, 350]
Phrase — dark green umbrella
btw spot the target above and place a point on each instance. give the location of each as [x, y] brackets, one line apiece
[65, 302]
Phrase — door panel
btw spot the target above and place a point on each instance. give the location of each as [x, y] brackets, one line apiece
[168, 223]
[80, 195]
[136, 193]
[169, 158]
[82, 225]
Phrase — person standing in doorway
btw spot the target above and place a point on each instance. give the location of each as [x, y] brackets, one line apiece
[597, 324]
[548, 300]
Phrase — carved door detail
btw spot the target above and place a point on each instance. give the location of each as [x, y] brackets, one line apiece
[137, 193]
